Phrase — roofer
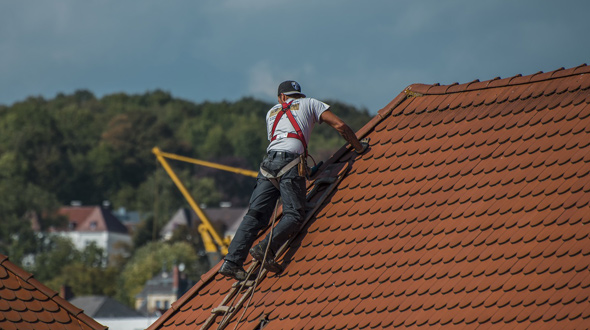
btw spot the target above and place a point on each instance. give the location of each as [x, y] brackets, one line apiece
[282, 174]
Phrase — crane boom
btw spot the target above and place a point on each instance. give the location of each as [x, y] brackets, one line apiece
[213, 242]
[205, 163]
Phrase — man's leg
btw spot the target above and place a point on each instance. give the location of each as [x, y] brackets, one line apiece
[293, 195]
[260, 209]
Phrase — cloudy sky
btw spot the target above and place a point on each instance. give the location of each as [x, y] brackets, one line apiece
[360, 52]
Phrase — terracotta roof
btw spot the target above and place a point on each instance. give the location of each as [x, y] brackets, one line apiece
[471, 209]
[26, 304]
[76, 214]
[92, 218]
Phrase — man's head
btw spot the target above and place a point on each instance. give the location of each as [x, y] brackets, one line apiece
[290, 88]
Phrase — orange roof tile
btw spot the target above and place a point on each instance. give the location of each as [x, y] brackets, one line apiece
[91, 218]
[77, 214]
[471, 209]
[25, 304]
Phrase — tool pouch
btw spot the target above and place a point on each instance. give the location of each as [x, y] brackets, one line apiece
[264, 167]
[302, 166]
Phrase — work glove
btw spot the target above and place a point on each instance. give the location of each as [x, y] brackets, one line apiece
[365, 143]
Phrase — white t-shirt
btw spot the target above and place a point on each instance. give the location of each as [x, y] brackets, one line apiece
[307, 112]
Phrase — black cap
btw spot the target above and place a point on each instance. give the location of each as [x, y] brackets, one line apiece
[290, 87]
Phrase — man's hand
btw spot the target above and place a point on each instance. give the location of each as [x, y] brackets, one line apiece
[365, 145]
[345, 131]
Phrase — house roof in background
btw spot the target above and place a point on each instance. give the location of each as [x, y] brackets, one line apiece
[471, 209]
[103, 307]
[228, 216]
[222, 218]
[161, 284]
[26, 303]
[76, 214]
[92, 219]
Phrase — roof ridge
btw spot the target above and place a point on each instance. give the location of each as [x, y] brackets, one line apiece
[52, 295]
[102, 302]
[79, 206]
[112, 222]
[519, 79]
[414, 90]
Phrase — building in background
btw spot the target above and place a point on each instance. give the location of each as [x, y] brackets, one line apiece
[131, 219]
[103, 307]
[162, 290]
[87, 224]
[225, 220]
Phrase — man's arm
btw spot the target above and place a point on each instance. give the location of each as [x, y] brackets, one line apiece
[331, 119]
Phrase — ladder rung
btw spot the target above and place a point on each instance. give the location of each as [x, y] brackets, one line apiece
[220, 309]
[239, 284]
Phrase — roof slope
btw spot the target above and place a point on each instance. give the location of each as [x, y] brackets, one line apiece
[103, 307]
[76, 214]
[470, 210]
[26, 304]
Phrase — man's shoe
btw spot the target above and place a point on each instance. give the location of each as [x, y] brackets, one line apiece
[272, 266]
[232, 270]
[257, 252]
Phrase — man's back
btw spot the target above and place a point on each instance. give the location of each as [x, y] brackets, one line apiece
[306, 111]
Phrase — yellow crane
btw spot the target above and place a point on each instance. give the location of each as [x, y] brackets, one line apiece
[214, 243]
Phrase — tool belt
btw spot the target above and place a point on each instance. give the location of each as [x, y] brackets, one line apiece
[275, 177]
[302, 170]
[302, 166]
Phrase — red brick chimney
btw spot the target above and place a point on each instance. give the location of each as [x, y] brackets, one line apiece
[65, 291]
[175, 279]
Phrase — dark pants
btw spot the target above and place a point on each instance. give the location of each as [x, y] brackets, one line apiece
[262, 203]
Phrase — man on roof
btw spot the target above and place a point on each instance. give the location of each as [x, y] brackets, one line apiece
[282, 174]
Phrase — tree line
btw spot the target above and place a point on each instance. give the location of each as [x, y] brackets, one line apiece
[77, 147]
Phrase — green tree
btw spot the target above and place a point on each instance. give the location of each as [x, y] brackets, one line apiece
[59, 263]
[249, 140]
[22, 205]
[32, 134]
[153, 258]
[216, 143]
[54, 253]
[146, 232]
[85, 280]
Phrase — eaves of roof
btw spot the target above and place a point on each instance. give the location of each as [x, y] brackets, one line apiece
[26, 303]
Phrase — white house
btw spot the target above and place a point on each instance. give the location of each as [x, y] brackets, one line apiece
[96, 224]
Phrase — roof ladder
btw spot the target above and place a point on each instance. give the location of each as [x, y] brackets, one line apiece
[226, 308]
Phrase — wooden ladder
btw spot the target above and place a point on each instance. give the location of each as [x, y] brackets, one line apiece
[324, 184]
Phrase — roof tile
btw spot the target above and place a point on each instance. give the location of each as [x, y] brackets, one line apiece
[25, 303]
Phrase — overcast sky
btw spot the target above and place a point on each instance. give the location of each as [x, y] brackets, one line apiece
[361, 52]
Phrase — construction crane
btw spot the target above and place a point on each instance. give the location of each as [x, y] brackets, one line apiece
[215, 245]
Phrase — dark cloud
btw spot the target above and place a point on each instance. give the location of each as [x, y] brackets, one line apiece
[361, 52]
